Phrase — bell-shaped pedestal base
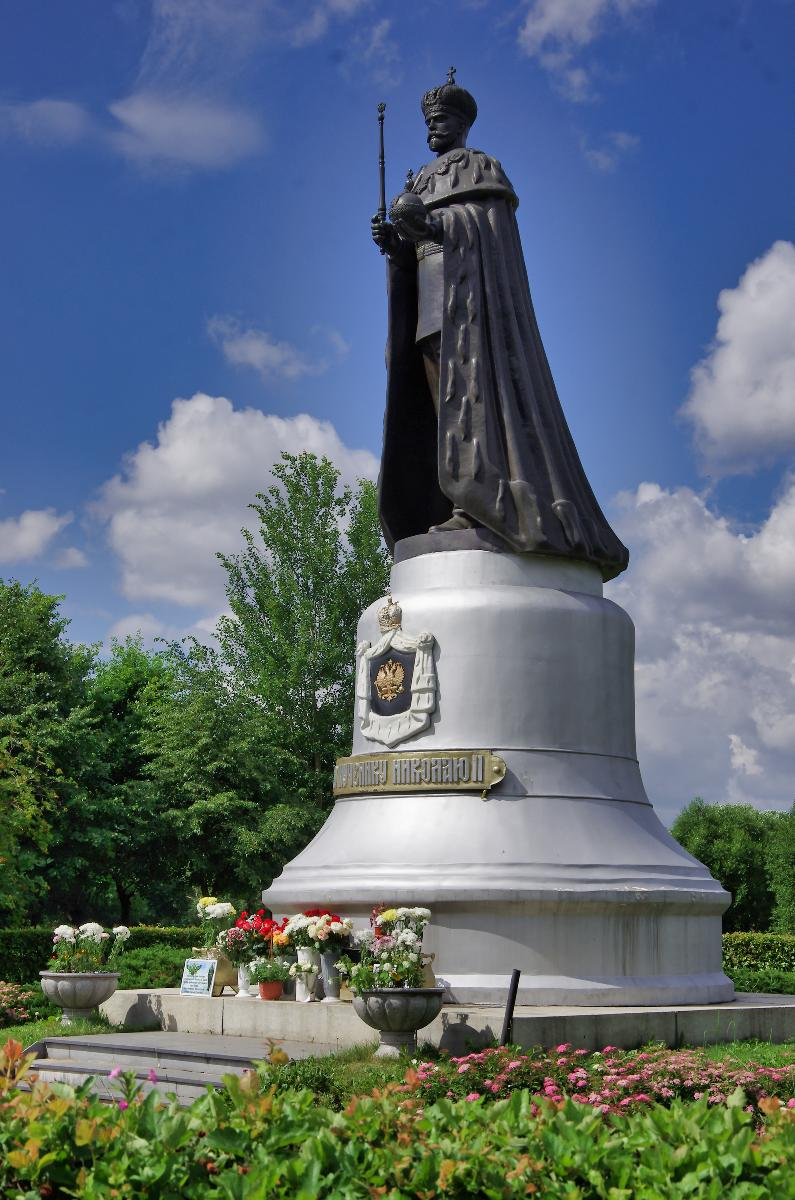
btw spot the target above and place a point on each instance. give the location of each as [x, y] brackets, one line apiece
[563, 869]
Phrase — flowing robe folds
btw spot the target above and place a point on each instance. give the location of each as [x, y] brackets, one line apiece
[501, 449]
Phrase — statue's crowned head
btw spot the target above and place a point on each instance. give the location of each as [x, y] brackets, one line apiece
[450, 98]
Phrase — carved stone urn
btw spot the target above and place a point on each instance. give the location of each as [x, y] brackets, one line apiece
[78, 993]
[397, 1013]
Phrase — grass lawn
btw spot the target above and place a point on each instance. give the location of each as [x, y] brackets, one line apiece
[768, 1054]
[34, 1031]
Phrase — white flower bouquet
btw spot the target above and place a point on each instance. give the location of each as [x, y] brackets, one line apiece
[87, 948]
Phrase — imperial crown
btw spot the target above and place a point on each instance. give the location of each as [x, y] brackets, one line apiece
[390, 616]
[451, 98]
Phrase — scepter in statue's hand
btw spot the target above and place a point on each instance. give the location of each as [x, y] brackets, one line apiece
[383, 234]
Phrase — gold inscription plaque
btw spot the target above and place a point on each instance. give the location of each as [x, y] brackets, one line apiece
[423, 771]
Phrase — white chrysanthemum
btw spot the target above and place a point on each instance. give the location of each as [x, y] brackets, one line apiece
[122, 932]
[65, 933]
[91, 931]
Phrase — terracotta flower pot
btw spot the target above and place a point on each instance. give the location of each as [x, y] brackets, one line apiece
[271, 990]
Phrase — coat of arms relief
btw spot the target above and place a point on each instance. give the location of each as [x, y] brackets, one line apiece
[396, 686]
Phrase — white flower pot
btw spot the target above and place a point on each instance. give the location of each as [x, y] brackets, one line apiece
[244, 983]
[305, 984]
[78, 993]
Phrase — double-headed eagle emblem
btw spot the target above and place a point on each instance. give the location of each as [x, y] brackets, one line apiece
[395, 680]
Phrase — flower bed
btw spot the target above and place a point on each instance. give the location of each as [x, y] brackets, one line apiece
[248, 1142]
[610, 1080]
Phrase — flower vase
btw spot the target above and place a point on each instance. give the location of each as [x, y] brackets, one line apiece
[244, 983]
[305, 984]
[330, 976]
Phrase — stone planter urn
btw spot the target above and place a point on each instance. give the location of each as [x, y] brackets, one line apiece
[397, 1013]
[78, 993]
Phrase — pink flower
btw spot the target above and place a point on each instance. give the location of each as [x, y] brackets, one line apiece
[122, 1105]
[516, 1062]
[791, 1103]
[473, 1096]
[562, 1049]
[152, 1076]
[115, 1073]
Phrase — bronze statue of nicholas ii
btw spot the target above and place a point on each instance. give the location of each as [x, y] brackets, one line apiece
[474, 434]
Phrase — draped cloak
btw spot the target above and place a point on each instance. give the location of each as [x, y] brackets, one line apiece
[501, 449]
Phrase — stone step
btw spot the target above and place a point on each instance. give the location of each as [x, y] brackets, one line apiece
[185, 1064]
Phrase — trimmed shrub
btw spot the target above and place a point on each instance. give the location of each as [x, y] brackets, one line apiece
[25, 952]
[155, 966]
[779, 983]
[758, 952]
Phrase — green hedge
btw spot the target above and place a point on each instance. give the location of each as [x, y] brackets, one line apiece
[759, 952]
[25, 952]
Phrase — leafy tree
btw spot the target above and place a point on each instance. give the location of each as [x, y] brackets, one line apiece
[781, 871]
[121, 801]
[296, 594]
[231, 812]
[733, 841]
[45, 729]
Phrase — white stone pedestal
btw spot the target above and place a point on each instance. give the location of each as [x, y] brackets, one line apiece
[564, 870]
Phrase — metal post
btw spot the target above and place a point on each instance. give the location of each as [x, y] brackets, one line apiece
[507, 1024]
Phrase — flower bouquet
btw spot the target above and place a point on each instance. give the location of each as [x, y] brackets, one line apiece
[87, 949]
[387, 981]
[215, 915]
[81, 974]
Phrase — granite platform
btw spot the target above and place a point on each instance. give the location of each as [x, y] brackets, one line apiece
[323, 1028]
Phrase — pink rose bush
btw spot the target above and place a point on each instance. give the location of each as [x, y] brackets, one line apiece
[610, 1080]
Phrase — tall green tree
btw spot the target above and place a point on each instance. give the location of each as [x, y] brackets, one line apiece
[314, 562]
[231, 812]
[45, 731]
[126, 866]
[734, 842]
[781, 872]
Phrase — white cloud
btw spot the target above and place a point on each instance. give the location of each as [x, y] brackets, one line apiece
[742, 396]
[606, 156]
[71, 558]
[556, 32]
[46, 122]
[179, 500]
[257, 348]
[315, 25]
[184, 131]
[27, 536]
[375, 48]
[715, 672]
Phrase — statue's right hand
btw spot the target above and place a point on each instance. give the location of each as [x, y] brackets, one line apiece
[384, 235]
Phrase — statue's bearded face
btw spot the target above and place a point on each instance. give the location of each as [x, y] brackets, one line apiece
[446, 130]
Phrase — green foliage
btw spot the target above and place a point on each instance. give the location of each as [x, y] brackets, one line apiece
[781, 872]
[25, 952]
[250, 1143]
[758, 952]
[269, 970]
[231, 810]
[18, 1003]
[769, 981]
[45, 731]
[296, 593]
[734, 841]
[155, 966]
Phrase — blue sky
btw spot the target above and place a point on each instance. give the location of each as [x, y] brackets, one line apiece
[189, 287]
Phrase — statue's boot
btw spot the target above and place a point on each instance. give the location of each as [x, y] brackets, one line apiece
[459, 520]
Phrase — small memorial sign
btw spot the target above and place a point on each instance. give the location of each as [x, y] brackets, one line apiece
[198, 975]
[422, 771]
